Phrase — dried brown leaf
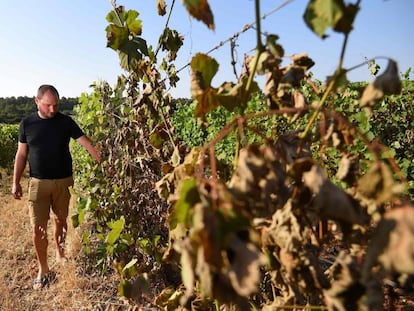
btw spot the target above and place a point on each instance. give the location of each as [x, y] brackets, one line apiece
[399, 254]
[259, 181]
[187, 272]
[205, 275]
[293, 76]
[332, 202]
[302, 60]
[387, 83]
[378, 184]
[244, 270]
[299, 103]
[161, 7]
[200, 10]
[348, 169]
[346, 290]
[390, 251]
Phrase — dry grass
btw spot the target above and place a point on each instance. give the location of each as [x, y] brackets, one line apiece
[73, 289]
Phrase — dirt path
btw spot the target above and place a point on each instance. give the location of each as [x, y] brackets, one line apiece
[73, 289]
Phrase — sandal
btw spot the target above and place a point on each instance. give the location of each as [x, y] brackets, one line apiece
[48, 278]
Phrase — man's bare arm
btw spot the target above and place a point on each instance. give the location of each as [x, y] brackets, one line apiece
[19, 166]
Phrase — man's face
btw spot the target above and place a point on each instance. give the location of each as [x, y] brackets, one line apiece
[47, 106]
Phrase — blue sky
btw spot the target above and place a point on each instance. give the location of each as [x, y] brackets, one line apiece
[63, 42]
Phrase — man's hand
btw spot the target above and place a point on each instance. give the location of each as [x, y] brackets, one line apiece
[17, 191]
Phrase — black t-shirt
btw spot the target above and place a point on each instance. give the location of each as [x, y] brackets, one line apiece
[48, 142]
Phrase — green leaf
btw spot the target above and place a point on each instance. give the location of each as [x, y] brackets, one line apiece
[206, 66]
[396, 144]
[130, 264]
[345, 24]
[86, 241]
[171, 40]
[134, 25]
[143, 242]
[124, 288]
[130, 269]
[275, 48]
[188, 197]
[156, 239]
[156, 139]
[116, 36]
[75, 220]
[135, 48]
[113, 17]
[321, 14]
[175, 158]
[117, 226]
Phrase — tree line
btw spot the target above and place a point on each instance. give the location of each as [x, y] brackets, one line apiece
[13, 109]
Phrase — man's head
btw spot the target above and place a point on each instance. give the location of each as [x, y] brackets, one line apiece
[47, 101]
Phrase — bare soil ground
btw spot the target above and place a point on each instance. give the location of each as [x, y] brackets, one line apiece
[73, 289]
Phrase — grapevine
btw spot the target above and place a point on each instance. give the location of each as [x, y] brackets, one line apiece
[187, 228]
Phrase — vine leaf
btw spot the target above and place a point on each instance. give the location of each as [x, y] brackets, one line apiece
[116, 36]
[203, 70]
[187, 273]
[116, 16]
[399, 254]
[299, 103]
[346, 275]
[390, 252]
[135, 47]
[134, 25]
[161, 7]
[275, 48]
[348, 169]
[122, 36]
[232, 95]
[208, 98]
[206, 103]
[332, 201]
[171, 41]
[122, 24]
[116, 228]
[206, 68]
[188, 197]
[321, 14]
[175, 158]
[157, 137]
[200, 10]
[378, 184]
[387, 83]
[244, 271]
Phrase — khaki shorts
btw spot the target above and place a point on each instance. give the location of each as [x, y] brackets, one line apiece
[46, 195]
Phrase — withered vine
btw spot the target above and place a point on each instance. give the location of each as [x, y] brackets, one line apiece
[188, 229]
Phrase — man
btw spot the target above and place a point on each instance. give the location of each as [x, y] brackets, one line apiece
[44, 141]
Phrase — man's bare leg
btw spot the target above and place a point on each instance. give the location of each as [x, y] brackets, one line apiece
[40, 243]
[60, 230]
